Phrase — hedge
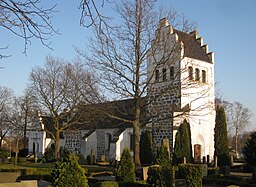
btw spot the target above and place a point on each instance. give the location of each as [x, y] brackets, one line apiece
[133, 184]
[107, 184]
[161, 176]
[22, 160]
[193, 173]
[36, 171]
[228, 180]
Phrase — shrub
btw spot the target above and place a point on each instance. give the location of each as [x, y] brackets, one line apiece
[162, 155]
[12, 159]
[22, 160]
[146, 148]
[49, 154]
[80, 156]
[249, 153]
[91, 159]
[69, 173]
[81, 159]
[193, 173]
[4, 154]
[35, 177]
[183, 147]
[65, 154]
[35, 174]
[36, 171]
[221, 138]
[126, 168]
[107, 184]
[161, 176]
[133, 184]
[23, 153]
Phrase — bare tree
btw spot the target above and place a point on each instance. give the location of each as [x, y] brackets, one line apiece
[27, 19]
[6, 97]
[238, 118]
[120, 55]
[91, 14]
[28, 110]
[60, 88]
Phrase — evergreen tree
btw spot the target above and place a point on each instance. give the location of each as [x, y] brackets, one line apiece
[162, 156]
[183, 147]
[221, 149]
[69, 173]
[190, 152]
[249, 152]
[146, 148]
[126, 167]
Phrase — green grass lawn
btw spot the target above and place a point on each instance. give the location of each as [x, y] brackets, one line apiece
[9, 172]
[26, 165]
[32, 165]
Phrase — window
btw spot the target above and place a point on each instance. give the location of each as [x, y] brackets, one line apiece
[164, 74]
[197, 78]
[190, 73]
[203, 76]
[171, 72]
[157, 75]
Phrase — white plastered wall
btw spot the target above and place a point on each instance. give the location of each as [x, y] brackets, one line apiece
[123, 141]
[200, 97]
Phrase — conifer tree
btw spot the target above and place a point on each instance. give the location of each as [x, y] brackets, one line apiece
[162, 156]
[126, 167]
[69, 173]
[249, 151]
[146, 148]
[183, 147]
[221, 149]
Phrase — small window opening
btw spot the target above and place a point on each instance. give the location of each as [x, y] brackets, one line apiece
[197, 78]
[190, 73]
[157, 75]
[171, 72]
[203, 76]
[164, 74]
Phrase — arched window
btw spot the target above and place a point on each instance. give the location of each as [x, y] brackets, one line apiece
[203, 76]
[171, 72]
[164, 74]
[190, 73]
[157, 76]
[197, 78]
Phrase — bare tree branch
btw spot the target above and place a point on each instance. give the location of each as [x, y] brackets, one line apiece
[61, 89]
[27, 19]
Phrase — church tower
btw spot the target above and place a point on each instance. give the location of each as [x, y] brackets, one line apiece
[181, 86]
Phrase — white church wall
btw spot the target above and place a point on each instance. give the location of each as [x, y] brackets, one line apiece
[89, 145]
[36, 141]
[124, 140]
[200, 97]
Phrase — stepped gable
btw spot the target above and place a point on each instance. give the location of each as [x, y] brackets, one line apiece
[192, 48]
[193, 45]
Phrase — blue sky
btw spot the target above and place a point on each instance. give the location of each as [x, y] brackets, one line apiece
[227, 26]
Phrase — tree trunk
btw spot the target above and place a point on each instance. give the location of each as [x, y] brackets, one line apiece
[137, 136]
[25, 131]
[236, 142]
[137, 83]
[57, 142]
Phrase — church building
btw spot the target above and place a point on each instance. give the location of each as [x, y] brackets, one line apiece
[180, 72]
